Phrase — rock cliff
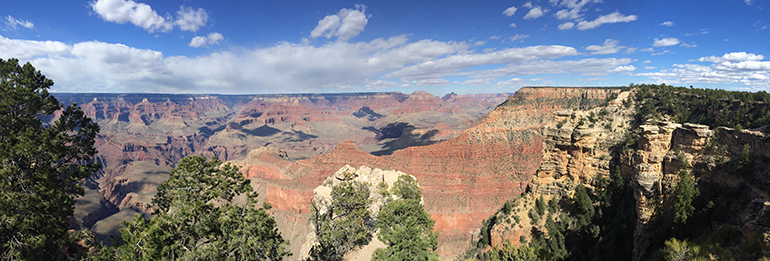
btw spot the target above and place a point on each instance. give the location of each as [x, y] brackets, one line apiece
[463, 180]
[150, 133]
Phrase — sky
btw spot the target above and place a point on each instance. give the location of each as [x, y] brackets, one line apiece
[473, 46]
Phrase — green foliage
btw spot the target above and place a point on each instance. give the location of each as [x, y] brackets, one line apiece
[40, 166]
[508, 207]
[584, 206]
[745, 164]
[407, 229]
[197, 219]
[406, 188]
[685, 191]
[345, 224]
[694, 105]
[540, 205]
[382, 188]
[684, 250]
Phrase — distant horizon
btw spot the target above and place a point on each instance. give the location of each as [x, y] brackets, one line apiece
[204, 46]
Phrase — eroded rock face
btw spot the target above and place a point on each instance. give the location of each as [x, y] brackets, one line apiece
[464, 180]
[665, 148]
[161, 129]
[577, 147]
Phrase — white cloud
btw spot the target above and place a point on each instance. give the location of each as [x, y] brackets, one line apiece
[649, 67]
[12, 23]
[573, 8]
[346, 24]
[513, 82]
[26, 49]
[285, 67]
[688, 45]
[566, 26]
[519, 37]
[513, 25]
[748, 2]
[667, 23]
[647, 50]
[646, 61]
[737, 67]
[211, 39]
[732, 57]
[452, 65]
[535, 12]
[139, 14]
[510, 11]
[623, 69]
[702, 31]
[494, 37]
[142, 15]
[609, 46]
[665, 42]
[564, 14]
[424, 82]
[615, 17]
[189, 19]
[589, 67]
[527, 5]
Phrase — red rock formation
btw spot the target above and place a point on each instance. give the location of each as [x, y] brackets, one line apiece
[464, 180]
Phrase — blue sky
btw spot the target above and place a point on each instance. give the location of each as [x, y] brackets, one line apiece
[197, 46]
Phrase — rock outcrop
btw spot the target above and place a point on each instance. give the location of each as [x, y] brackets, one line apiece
[710, 157]
[577, 149]
[323, 200]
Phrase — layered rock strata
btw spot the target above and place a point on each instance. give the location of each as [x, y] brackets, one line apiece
[463, 180]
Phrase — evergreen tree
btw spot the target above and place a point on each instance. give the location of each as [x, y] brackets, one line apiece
[405, 226]
[196, 219]
[40, 165]
[346, 223]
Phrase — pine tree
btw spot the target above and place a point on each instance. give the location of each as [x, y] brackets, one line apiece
[40, 165]
[196, 218]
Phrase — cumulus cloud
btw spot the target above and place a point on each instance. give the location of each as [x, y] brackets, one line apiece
[346, 24]
[12, 23]
[732, 57]
[739, 67]
[513, 25]
[189, 19]
[623, 69]
[665, 42]
[667, 23]
[510, 11]
[615, 17]
[285, 67]
[609, 46]
[566, 26]
[142, 15]
[211, 39]
[535, 12]
[26, 49]
[139, 14]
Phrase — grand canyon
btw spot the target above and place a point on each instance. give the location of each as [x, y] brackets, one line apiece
[473, 155]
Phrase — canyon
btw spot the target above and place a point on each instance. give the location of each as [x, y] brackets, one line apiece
[471, 154]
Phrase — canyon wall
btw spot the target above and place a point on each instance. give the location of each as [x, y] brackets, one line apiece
[463, 180]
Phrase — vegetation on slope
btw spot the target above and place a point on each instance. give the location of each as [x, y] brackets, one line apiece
[704, 218]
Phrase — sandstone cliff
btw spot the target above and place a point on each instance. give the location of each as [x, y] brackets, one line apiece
[149, 133]
[463, 180]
